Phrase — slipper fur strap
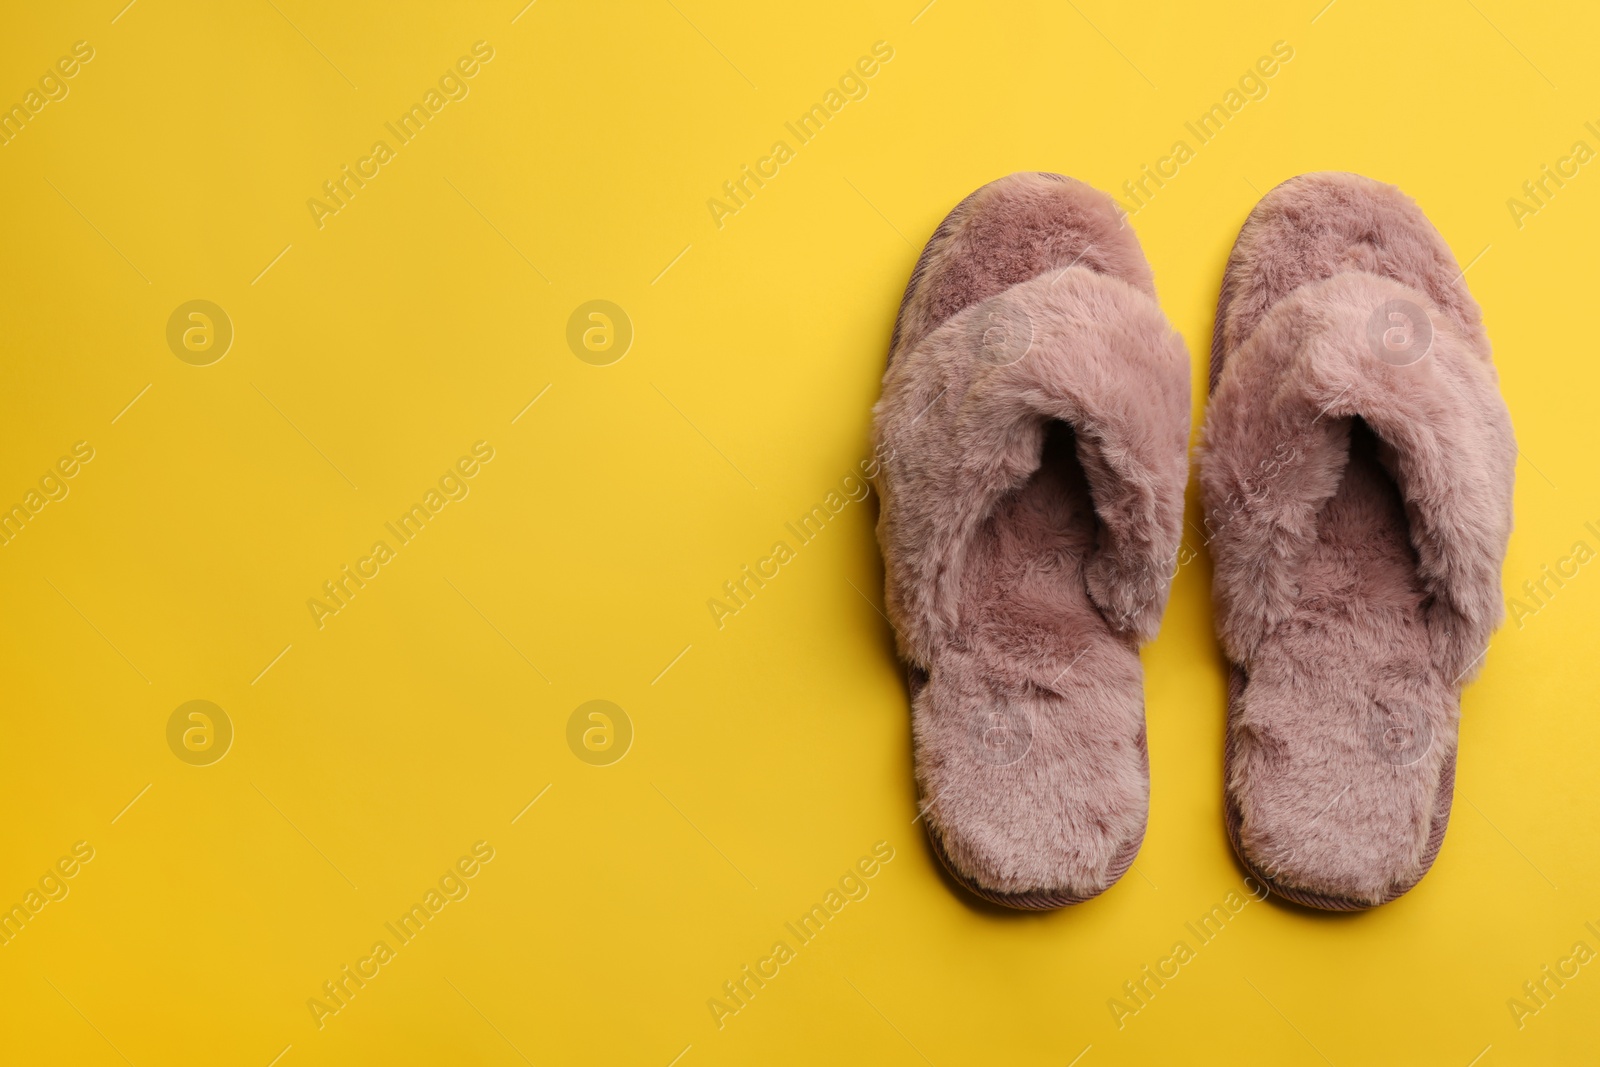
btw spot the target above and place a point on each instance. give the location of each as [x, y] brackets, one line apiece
[1277, 442]
[962, 422]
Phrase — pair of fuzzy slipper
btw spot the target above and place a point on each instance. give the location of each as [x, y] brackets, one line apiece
[1356, 468]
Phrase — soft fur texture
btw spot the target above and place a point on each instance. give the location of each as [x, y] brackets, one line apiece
[1030, 524]
[1358, 512]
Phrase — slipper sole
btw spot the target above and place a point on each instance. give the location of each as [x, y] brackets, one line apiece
[1046, 900]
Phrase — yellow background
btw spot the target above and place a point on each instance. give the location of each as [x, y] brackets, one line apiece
[774, 752]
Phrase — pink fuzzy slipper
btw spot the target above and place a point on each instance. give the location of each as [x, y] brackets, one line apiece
[1357, 467]
[1031, 440]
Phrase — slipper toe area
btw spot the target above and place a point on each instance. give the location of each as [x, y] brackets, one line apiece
[1033, 801]
[1338, 788]
[1315, 226]
[1013, 229]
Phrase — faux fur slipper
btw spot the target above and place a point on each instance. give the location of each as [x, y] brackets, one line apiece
[1357, 468]
[1031, 443]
